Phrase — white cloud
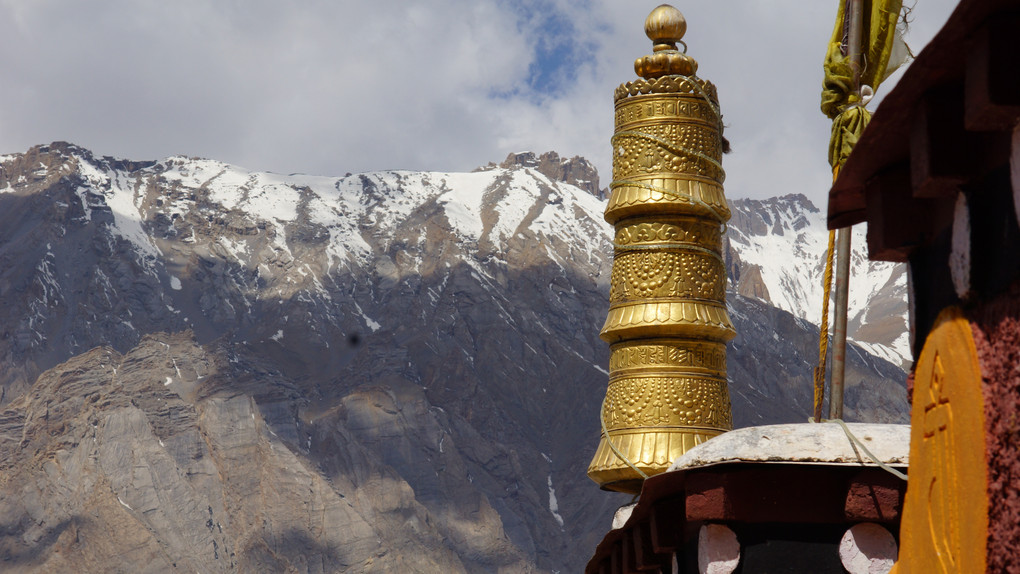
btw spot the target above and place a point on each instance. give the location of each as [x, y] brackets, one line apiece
[330, 87]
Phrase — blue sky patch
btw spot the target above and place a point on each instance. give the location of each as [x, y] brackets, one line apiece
[556, 44]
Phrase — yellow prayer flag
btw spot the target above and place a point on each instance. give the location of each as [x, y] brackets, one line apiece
[880, 42]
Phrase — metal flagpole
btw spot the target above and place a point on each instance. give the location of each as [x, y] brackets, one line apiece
[856, 23]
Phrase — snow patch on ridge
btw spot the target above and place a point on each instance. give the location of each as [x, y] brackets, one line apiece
[335, 206]
[270, 196]
[462, 198]
[371, 323]
[554, 507]
[223, 182]
[123, 203]
[515, 204]
[575, 217]
[787, 238]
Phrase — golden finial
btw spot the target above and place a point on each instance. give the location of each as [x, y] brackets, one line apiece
[667, 325]
[665, 26]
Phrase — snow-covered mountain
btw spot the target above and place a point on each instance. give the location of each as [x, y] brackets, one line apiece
[777, 247]
[239, 371]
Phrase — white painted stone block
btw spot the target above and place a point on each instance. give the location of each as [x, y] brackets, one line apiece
[718, 550]
[959, 257]
[867, 548]
[623, 515]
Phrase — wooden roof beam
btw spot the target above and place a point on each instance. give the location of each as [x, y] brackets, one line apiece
[993, 75]
[941, 150]
[891, 236]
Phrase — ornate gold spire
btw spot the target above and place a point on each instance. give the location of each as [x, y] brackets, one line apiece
[667, 324]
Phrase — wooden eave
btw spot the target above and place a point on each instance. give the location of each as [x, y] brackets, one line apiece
[946, 123]
[739, 492]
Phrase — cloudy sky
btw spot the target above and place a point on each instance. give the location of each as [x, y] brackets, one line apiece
[333, 86]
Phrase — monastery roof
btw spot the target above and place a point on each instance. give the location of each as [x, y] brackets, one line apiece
[802, 444]
[966, 51]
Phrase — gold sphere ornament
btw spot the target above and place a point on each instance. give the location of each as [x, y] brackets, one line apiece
[665, 26]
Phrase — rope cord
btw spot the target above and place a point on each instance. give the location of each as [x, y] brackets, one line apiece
[669, 247]
[671, 148]
[856, 442]
[823, 330]
[609, 441]
[673, 194]
[695, 83]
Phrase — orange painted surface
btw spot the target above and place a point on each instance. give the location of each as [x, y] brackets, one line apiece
[945, 514]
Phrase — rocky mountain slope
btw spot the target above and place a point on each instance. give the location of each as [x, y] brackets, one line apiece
[205, 367]
[777, 254]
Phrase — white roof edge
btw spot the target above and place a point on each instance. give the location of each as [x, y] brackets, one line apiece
[805, 443]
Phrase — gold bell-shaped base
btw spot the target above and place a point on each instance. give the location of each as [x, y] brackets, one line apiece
[651, 451]
[665, 397]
